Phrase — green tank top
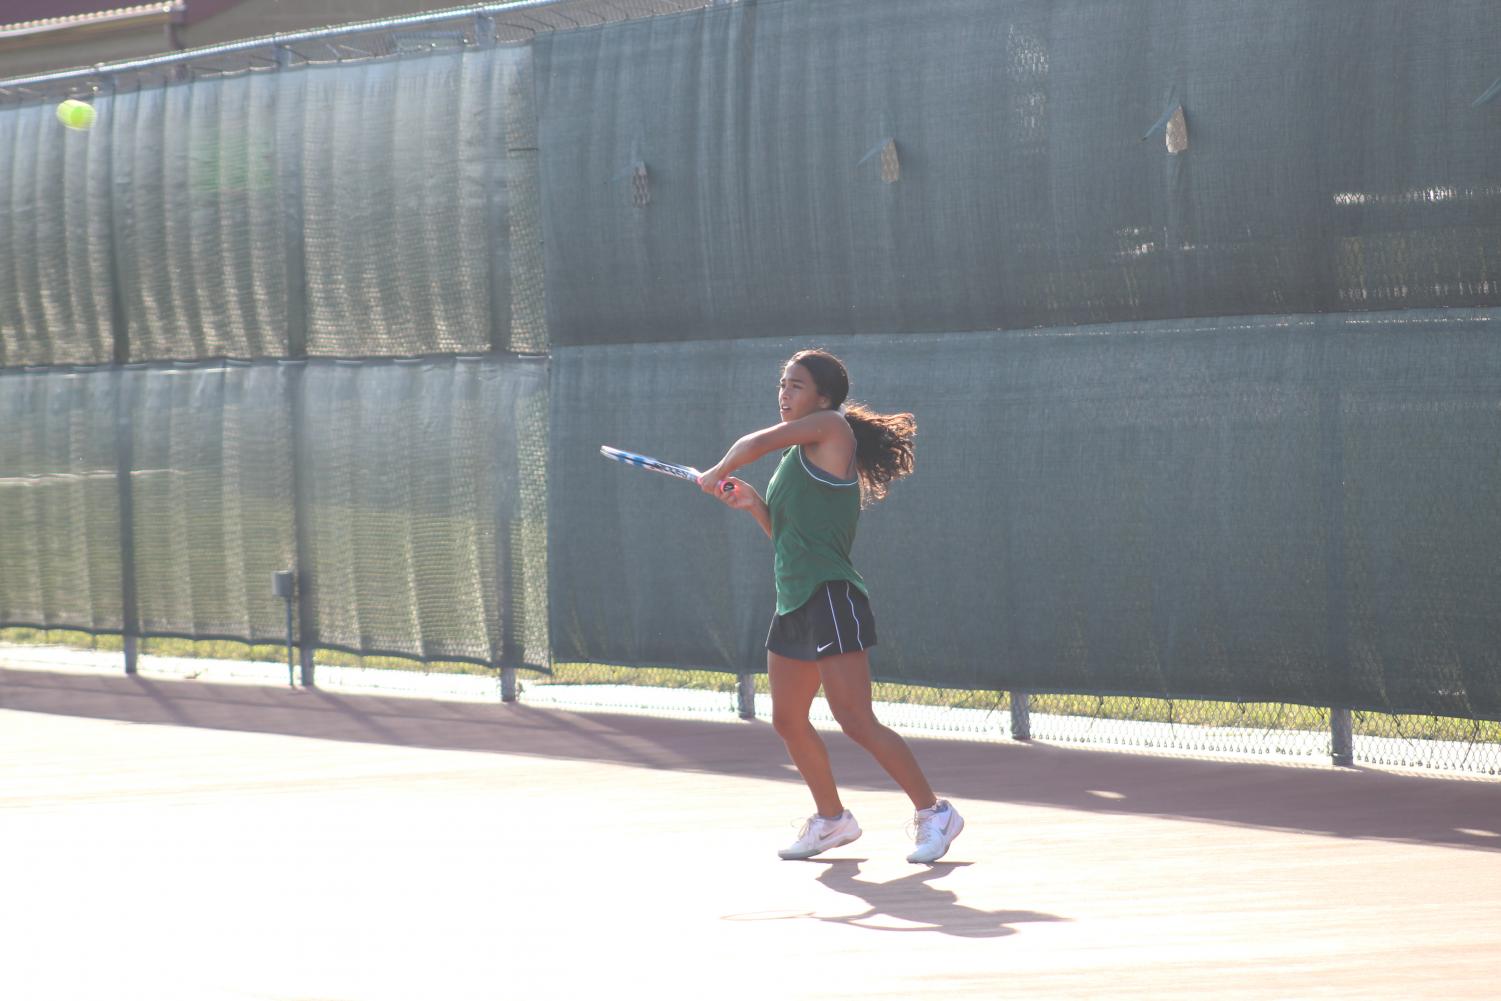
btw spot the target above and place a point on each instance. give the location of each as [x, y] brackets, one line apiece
[813, 518]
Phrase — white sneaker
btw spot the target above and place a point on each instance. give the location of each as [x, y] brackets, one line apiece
[937, 827]
[821, 833]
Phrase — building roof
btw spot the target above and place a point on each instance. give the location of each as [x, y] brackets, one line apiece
[45, 19]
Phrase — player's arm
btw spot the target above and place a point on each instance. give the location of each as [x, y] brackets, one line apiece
[809, 430]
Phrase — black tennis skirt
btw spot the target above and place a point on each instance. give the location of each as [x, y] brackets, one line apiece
[837, 619]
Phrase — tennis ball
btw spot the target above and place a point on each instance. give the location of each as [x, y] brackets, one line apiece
[76, 114]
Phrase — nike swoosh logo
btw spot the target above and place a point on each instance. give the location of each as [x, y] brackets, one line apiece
[824, 647]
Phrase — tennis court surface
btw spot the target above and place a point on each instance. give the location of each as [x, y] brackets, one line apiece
[183, 840]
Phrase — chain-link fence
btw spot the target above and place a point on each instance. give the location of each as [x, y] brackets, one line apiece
[1281, 733]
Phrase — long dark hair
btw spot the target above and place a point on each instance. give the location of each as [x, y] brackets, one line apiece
[883, 442]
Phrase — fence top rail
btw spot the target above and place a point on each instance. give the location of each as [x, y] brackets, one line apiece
[20, 86]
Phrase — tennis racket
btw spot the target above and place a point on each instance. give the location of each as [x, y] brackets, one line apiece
[655, 465]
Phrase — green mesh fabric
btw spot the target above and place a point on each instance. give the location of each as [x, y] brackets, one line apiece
[1296, 509]
[60, 546]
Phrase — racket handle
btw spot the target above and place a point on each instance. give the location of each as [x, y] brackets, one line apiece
[726, 486]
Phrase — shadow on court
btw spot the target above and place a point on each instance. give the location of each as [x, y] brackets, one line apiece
[1345, 803]
[914, 899]
[907, 904]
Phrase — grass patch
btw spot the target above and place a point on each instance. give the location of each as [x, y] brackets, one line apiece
[276, 653]
[1456, 728]
[70, 639]
[646, 677]
[723, 681]
[1186, 712]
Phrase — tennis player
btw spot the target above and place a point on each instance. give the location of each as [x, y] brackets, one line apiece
[833, 455]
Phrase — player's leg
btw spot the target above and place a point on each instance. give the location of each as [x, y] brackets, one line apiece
[794, 683]
[846, 684]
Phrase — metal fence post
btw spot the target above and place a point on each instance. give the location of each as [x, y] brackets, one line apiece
[284, 586]
[499, 278]
[1021, 716]
[512, 648]
[745, 694]
[1337, 628]
[289, 174]
[119, 321]
[130, 616]
[1342, 738]
[307, 621]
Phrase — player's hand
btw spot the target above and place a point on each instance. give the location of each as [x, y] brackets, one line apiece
[738, 494]
[709, 481]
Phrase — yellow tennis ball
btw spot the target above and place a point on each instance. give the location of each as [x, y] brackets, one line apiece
[76, 114]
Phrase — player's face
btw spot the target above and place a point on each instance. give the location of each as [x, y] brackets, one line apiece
[797, 396]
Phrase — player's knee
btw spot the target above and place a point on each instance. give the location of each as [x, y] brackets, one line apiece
[859, 727]
[790, 726]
